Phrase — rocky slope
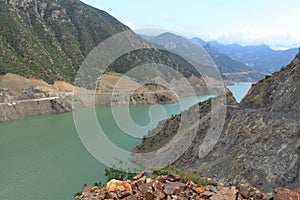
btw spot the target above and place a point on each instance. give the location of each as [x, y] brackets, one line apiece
[260, 142]
[171, 187]
[279, 92]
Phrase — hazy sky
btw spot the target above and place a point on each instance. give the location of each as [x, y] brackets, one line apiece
[248, 22]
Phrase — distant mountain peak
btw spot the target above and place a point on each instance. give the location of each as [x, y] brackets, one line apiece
[261, 57]
[199, 41]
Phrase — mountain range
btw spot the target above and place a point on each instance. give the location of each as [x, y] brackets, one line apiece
[49, 39]
[230, 68]
[261, 58]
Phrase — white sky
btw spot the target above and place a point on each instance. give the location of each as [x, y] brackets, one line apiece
[247, 22]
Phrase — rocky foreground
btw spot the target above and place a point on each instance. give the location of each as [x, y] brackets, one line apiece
[171, 187]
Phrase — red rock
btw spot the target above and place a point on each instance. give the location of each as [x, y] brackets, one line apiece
[198, 189]
[172, 187]
[131, 197]
[173, 177]
[149, 196]
[159, 194]
[285, 194]
[146, 187]
[120, 186]
[297, 190]
[111, 195]
[124, 194]
[139, 176]
[140, 181]
[248, 191]
[162, 179]
[268, 196]
[207, 194]
[225, 194]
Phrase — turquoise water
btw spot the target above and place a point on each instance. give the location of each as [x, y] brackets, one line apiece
[42, 157]
[240, 89]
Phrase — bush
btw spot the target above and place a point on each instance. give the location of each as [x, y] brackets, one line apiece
[77, 194]
[118, 173]
[113, 173]
[185, 176]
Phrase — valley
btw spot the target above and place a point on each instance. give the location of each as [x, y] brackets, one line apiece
[92, 97]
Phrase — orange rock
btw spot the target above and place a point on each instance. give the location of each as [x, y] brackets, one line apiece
[285, 194]
[120, 186]
[297, 190]
[225, 194]
[199, 189]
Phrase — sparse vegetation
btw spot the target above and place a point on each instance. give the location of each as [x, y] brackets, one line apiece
[185, 175]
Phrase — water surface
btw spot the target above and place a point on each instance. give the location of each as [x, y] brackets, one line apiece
[42, 157]
[240, 89]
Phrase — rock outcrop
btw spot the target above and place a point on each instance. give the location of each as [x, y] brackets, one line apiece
[26, 108]
[170, 187]
[260, 142]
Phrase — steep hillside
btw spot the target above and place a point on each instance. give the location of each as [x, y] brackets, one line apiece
[48, 39]
[259, 143]
[261, 58]
[279, 92]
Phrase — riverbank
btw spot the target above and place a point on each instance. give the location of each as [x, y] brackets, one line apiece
[24, 108]
[24, 97]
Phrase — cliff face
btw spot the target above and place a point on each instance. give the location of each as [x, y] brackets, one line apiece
[260, 143]
[18, 110]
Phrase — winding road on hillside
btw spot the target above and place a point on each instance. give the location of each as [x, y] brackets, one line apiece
[11, 103]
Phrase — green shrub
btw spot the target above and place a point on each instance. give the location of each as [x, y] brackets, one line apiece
[185, 176]
[77, 194]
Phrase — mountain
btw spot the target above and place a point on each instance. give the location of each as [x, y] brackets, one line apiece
[262, 58]
[259, 143]
[48, 39]
[199, 41]
[147, 37]
[177, 43]
[232, 69]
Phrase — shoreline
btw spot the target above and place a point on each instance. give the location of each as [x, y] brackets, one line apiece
[21, 109]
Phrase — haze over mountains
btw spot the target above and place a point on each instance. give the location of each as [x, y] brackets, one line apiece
[230, 68]
[261, 58]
